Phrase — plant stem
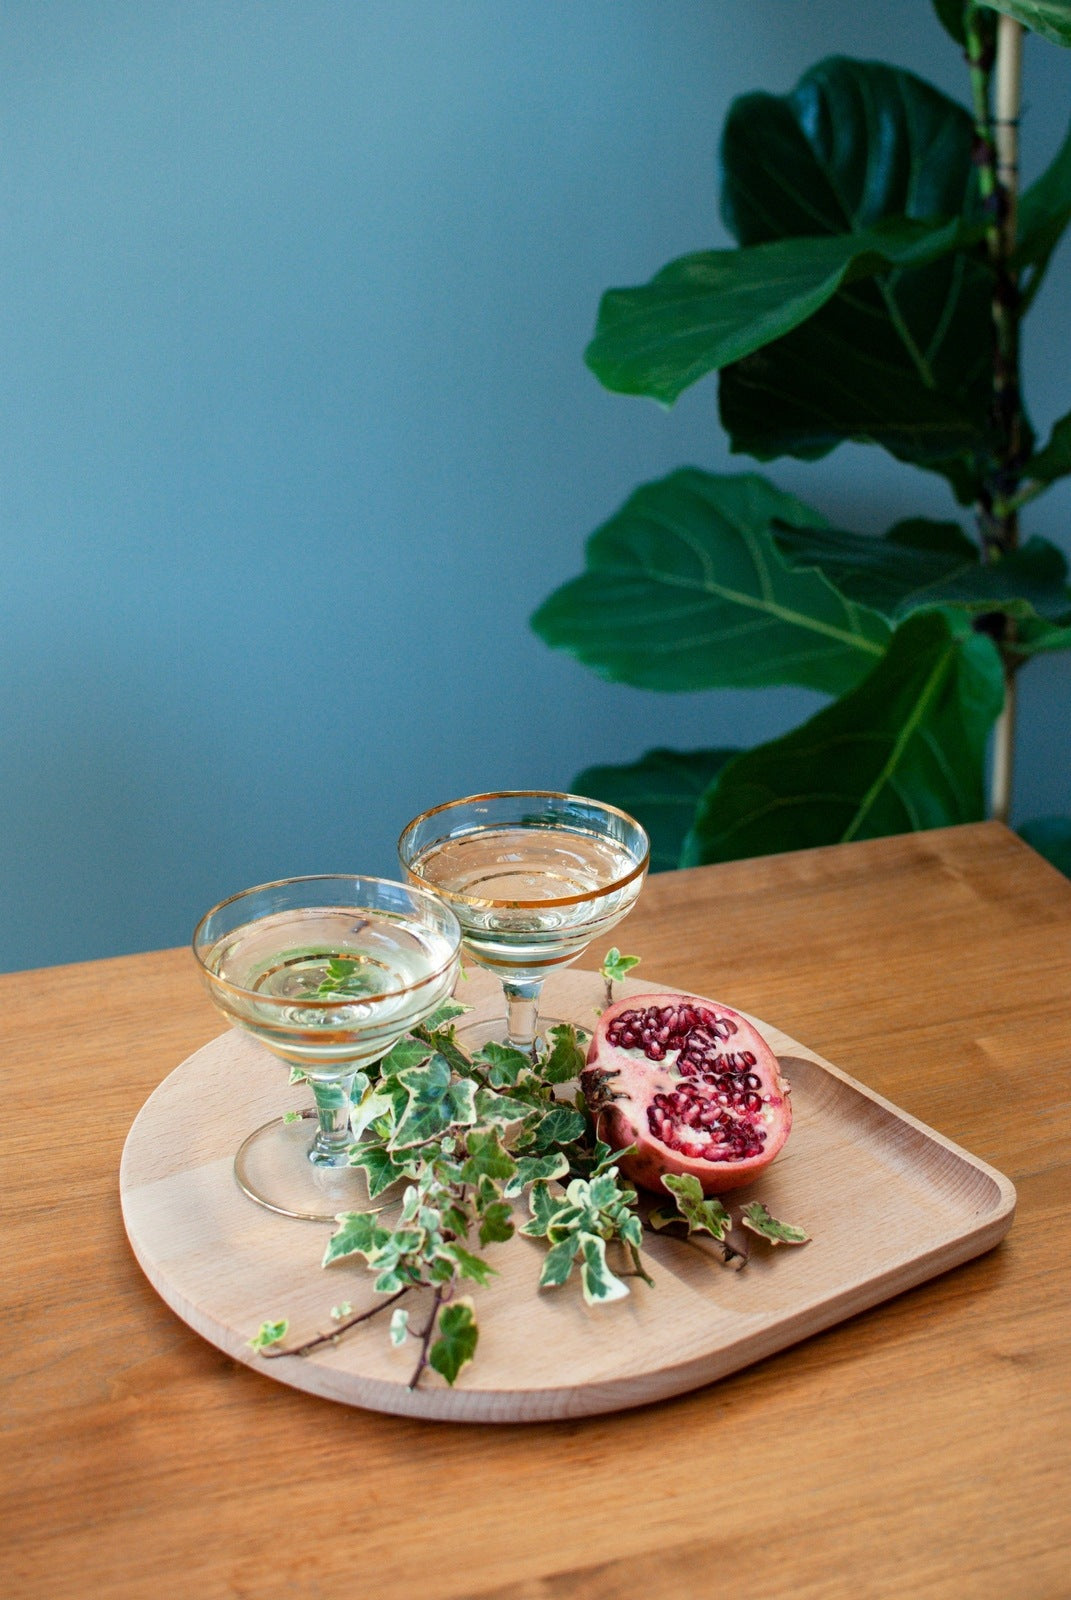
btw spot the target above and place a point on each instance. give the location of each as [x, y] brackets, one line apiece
[996, 143]
[425, 1338]
[336, 1332]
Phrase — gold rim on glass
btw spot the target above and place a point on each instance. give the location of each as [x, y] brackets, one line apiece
[326, 1004]
[516, 794]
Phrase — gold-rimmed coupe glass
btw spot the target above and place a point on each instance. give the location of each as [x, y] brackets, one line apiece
[328, 973]
[534, 877]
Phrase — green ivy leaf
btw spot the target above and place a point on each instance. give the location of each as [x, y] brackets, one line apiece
[686, 589]
[408, 1052]
[468, 1265]
[903, 751]
[496, 1223]
[756, 1217]
[502, 1064]
[487, 1157]
[560, 1126]
[269, 1333]
[457, 1340]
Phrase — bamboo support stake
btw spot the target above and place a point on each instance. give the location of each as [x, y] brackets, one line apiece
[1008, 94]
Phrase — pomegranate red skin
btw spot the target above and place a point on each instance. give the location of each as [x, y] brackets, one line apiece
[620, 1086]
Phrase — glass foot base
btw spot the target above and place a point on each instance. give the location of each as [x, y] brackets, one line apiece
[492, 1030]
[273, 1168]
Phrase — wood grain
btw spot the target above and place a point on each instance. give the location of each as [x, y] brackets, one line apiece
[922, 1448]
[888, 1204]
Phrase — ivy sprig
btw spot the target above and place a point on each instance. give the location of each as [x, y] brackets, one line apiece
[462, 1146]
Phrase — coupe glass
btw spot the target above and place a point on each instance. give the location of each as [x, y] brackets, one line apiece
[534, 877]
[328, 973]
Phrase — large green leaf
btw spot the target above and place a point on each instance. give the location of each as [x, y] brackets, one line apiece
[920, 563]
[951, 15]
[1055, 460]
[1050, 18]
[905, 750]
[685, 589]
[902, 360]
[712, 308]
[661, 790]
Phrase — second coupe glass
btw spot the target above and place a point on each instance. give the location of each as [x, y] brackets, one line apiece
[533, 876]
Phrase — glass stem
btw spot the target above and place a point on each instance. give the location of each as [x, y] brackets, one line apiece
[333, 1097]
[522, 1014]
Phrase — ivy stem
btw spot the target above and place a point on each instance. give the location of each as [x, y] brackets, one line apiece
[425, 1337]
[337, 1331]
[996, 156]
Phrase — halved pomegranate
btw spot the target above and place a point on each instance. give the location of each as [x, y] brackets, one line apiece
[692, 1085]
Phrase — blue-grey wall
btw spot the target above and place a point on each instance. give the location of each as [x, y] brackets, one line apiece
[296, 430]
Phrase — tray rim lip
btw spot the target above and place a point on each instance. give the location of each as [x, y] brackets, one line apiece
[558, 1403]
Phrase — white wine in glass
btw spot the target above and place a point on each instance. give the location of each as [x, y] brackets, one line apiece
[534, 877]
[327, 972]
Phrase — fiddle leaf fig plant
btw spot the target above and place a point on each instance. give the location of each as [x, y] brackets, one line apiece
[883, 264]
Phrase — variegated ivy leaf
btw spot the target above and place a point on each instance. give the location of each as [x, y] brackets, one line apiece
[269, 1333]
[408, 1052]
[661, 1218]
[530, 1169]
[496, 1223]
[458, 1337]
[566, 1059]
[756, 1217]
[488, 1157]
[340, 1311]
[558, 1262]
[597, 1281]
[701, 1215]
[381, 1169]
[543, 1205]
[561, 1126]
[371, 1105]
[502, 1064]
[467, 1264]
[500, 1109]
[290, 1117]
[446, 1013]
[436, 1102]
[399, 1326]
[359, 1234]
[297, 1076]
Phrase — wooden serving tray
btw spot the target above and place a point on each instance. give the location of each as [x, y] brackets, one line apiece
[887, 1201]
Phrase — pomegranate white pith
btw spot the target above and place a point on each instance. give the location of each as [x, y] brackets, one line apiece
[692, 1084]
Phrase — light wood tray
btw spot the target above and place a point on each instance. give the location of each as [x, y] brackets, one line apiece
[888, 1203]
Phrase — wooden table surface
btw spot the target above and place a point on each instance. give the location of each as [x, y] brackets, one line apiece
[919, 1450]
